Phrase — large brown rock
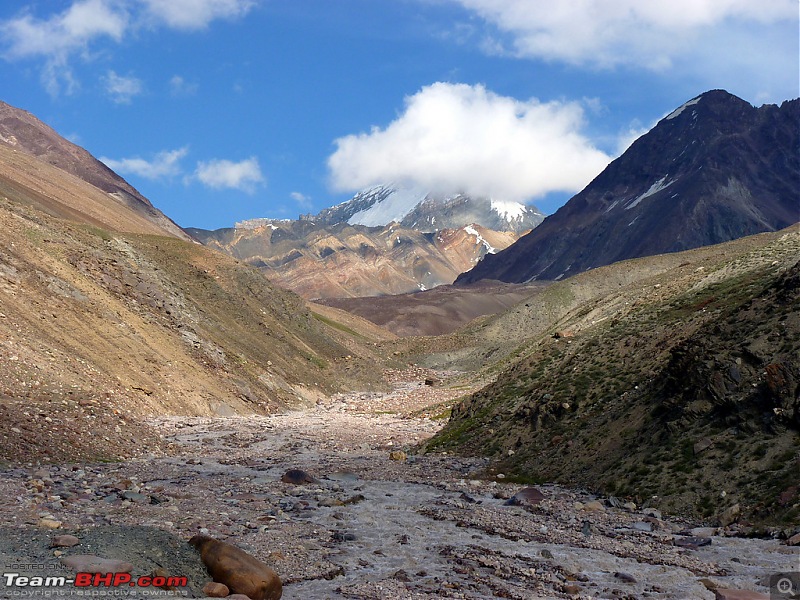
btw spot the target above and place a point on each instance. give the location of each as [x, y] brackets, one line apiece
[235, 568]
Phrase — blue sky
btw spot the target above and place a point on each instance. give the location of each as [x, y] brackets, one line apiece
[223, 110]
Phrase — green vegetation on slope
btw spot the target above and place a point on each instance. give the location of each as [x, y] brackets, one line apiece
[688, 393]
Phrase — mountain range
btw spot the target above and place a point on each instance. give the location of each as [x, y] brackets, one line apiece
[713, 170]
[385, 240]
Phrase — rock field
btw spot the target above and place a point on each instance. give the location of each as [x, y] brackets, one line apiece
[372, 519]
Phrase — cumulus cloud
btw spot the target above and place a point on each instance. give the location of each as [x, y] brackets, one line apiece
[244, 175]
[196, 14]
[461, 137]
[163, 165]
[60, 36]
[648, 33]
[122, 89]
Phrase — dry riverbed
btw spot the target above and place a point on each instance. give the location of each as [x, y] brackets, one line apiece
[377, 521]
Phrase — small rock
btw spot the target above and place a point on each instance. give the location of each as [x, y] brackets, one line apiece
[627, 578]
[794, 540]
[594, 506]
[401, 575]
[216, 590]
[643, 526]
[297, 477]
[571, 589]
[529, 496]
[705, 532]
[729, 515]
[49, 523]
[546, 553]
[701, 445]
[87, 563]
[64, 541]
[691, 542]
[728, 594]
[135, 497]
[354, 499]
[652, 512]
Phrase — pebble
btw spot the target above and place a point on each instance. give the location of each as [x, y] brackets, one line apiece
[216, 590]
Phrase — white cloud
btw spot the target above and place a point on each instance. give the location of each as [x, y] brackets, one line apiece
[180, 87]
[60, 36]
[606, 33]
[164, 164]
[196, 14]
[461, 137]
[65, 32]
[302, 200]
[122, 89]
[244, 175]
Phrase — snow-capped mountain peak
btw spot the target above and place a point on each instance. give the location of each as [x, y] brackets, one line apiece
[426, 211]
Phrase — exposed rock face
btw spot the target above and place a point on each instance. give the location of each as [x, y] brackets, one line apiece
[342, 260]
[714, 170]
[23, 132]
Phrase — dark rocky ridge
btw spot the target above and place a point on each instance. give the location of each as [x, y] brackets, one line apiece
[714, 170]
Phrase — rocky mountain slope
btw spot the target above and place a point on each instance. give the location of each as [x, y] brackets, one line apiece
[713, 170]
[384, 240]
[342, 260]
[22, 132]
[106, 318]
[673, 379]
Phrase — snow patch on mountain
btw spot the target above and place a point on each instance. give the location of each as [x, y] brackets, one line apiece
[392, 208]
[655, 188]
[510, 211]
[680, 109]
[479, 239]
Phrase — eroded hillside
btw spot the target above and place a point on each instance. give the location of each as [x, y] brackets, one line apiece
[681, 387]
[99, 328]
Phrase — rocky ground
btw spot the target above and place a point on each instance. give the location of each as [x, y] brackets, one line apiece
[375, 520]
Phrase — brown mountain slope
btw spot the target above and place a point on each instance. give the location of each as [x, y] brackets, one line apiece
[674, 388]
[24, 133]
[344, 261]
[100, 329]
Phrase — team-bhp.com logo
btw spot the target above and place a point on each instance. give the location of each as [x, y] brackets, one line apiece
[94, 580]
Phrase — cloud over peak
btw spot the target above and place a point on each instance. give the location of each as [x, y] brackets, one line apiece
[463, 137]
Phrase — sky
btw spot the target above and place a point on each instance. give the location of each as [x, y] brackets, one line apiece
[225, 110]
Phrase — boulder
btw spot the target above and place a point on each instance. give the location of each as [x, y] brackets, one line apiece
[242, 573]
[529, 496]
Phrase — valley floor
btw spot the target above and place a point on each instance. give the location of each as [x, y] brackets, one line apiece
[378, 522]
